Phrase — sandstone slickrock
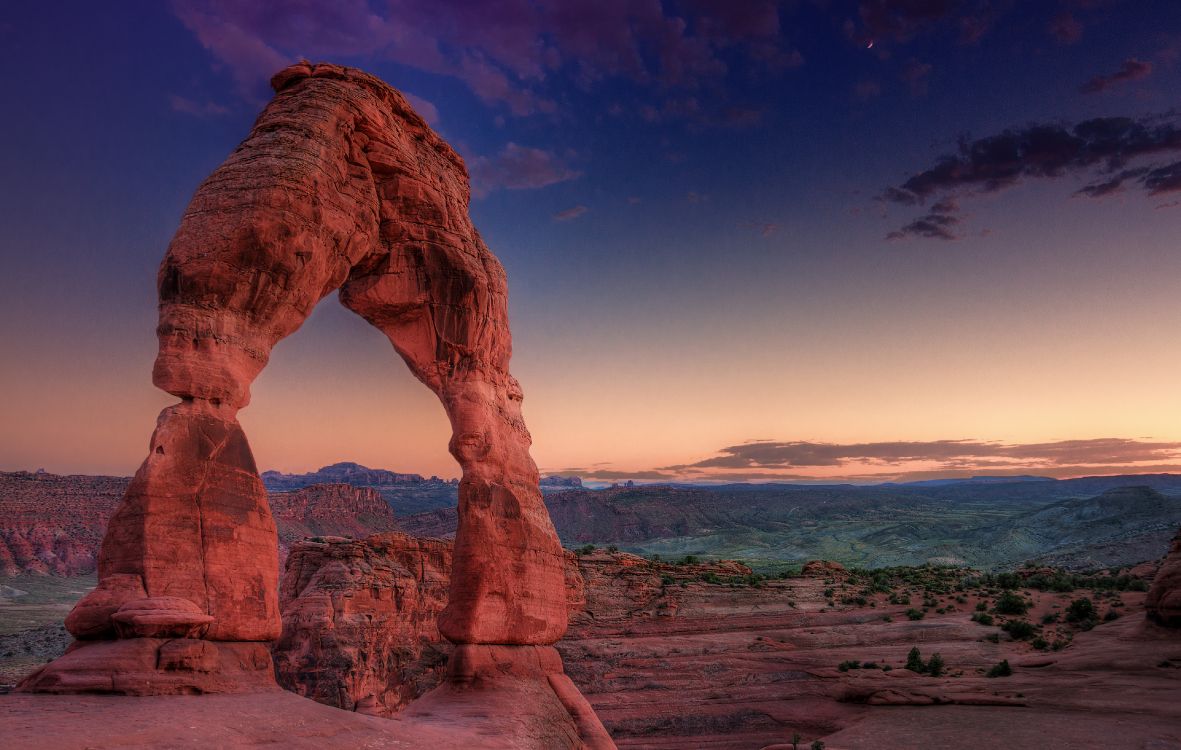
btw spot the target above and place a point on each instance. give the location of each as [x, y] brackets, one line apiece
[339, 186]
[1164, 598]
[359, 617]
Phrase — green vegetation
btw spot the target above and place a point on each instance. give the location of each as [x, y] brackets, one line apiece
[1081, 611]
[1000, 669]
[915, 614]
[914, 661]
[585, 550]
[1010, 603]
[982, 617]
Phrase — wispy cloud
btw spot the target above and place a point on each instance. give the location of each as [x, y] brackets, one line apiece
[507, 53]
[570, 213]
[517, 167]
[195, 108]
[1131, 70]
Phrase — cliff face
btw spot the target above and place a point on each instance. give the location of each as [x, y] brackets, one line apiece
[359, 616]
[52, 524]
[359, 620]
[329, 510]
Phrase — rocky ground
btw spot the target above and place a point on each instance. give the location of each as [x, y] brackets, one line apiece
[679, 654]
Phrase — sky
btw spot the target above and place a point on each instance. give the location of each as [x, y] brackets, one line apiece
[803, 240]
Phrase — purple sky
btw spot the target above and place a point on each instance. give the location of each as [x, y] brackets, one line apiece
[744, 240]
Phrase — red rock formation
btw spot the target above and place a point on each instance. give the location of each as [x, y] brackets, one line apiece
[52, 525]
[359, 621]
[1163, 604]
[329, 510]
[340, 185]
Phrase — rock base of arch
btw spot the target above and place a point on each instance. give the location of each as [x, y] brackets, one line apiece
[157, 666]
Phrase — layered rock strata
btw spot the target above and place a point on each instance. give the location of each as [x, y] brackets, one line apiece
[340, 186]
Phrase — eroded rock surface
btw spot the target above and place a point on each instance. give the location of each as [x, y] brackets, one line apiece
[360, 621]
[1164, 598]
[339, 186]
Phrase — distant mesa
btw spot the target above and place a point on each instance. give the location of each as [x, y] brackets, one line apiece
[347, 472]
[561, 483]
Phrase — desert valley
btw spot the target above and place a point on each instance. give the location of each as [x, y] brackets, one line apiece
[693, 650]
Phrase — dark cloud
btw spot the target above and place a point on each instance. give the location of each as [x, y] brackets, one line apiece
[517, 167]
[570, 213]
[903, 20]
[951, 453]
[1131, 70]
[1166, 179]
[1101, 148]
[933, 226]
[506, 52]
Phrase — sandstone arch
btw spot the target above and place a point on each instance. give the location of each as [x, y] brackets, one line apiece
[340, 185]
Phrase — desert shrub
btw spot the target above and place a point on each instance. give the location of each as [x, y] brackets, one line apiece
[935, 665]
[1081, 610]
[1011, 603]
[1019, 630]
[711, 577]
[817, 745]
[845, 666]
[983, 618]
[1111, 615]
[914, 660]
[612, 547]
[1049, 617]
[828, 593]
[1000, 669]
[993, 637]
[887, 618]
[689, 560]
[915, 614]
[1039, 643]
[981, 606]
[667, 580]
[585, 550]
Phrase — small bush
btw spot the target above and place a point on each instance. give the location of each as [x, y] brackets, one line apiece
[915, 614]
[914, 661]
[1049, 617]
[935, 666]
[612, 547]
[845, 666]
[1011, 603]
[1001, 669]
[1111, 615]
[1081, 610]
[1040, 643]
[983, 618]
[1019, 630]
[585, 550]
